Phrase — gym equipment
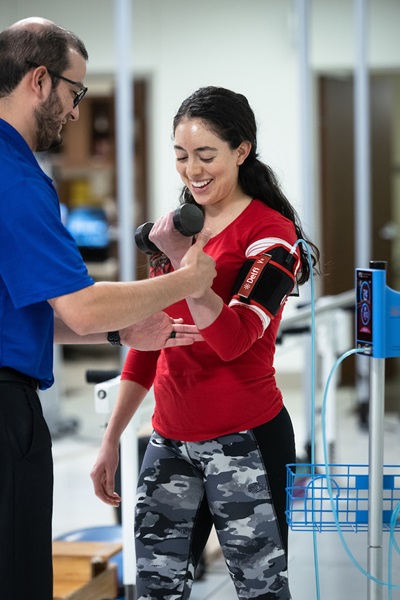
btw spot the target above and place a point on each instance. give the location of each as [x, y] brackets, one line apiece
[188, 220]
[370, 493]
[101, 533]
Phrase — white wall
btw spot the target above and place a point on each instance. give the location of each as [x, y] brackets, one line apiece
[247, 45]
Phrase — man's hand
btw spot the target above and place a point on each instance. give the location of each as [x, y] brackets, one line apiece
[159, 331]
[202, 264]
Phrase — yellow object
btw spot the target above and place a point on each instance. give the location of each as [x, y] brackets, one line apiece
[82, 571]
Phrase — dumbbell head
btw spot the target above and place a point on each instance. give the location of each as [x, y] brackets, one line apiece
[188, 220]
[142, 239]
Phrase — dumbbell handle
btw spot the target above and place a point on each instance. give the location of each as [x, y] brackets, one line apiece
[188, 220]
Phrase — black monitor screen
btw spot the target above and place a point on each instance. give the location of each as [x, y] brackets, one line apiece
[364, 306]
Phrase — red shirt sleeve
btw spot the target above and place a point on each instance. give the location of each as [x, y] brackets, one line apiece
[140, 367]
[233, 332]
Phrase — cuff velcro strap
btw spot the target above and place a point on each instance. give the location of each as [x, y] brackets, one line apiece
[266, 280]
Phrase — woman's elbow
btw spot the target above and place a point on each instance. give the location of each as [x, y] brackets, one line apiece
[229, 354]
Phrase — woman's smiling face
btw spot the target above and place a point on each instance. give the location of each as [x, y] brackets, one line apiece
[206, 164]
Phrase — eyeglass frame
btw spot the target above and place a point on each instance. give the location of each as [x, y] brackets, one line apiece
[78, 95]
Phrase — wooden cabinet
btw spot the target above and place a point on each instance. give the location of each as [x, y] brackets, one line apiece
[84, 170]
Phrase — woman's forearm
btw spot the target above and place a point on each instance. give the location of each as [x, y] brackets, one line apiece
[205, 310]
[130, 397]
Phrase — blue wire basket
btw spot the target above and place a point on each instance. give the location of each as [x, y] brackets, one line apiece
[308, 497]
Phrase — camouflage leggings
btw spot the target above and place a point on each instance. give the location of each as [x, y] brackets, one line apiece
[184, 487]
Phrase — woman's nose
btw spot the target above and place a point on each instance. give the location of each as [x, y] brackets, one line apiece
[193, 167]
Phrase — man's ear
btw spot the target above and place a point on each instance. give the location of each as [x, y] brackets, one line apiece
[243, 151]
[40, 82]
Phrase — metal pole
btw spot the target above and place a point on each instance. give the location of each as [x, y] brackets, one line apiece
[125, 177]
[129, 477]
[124, 139]
[362, 139]
[306, 120]
[302, 8]
[362, 208]
[375, 509]
[326, 351]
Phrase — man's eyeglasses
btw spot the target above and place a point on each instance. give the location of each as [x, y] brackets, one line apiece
[78, 95]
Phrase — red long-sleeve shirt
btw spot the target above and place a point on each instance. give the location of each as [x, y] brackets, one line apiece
[226, 383]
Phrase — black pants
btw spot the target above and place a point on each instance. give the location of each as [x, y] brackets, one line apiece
[26, 496]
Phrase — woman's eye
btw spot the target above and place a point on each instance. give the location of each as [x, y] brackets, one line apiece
[204, 160]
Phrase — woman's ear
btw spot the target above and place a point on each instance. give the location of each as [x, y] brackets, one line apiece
[243, 151]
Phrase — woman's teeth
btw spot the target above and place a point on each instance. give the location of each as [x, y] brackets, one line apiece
[200, 184]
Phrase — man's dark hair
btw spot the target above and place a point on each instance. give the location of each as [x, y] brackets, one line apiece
[45, 44]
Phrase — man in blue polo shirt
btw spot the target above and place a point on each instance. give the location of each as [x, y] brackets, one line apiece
[46, 294]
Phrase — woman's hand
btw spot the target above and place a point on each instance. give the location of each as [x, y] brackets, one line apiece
[167, 239]
[103, 474]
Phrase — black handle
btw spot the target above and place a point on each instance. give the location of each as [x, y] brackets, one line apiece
[188, 219]
[99, 375]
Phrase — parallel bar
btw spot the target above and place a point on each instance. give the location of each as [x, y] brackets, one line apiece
[343, 300]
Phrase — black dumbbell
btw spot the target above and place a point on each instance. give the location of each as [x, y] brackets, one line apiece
[188, 219]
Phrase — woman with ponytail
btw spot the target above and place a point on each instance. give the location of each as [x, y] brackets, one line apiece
[222, 435]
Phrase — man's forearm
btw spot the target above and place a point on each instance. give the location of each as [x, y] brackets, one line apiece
[107, 306]
[64, 335]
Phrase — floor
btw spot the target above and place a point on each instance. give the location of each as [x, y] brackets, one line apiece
[77, 432]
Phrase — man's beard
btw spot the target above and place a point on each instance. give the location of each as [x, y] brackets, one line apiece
[48, 123]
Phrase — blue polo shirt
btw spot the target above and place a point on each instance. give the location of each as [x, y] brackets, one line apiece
[39, 260]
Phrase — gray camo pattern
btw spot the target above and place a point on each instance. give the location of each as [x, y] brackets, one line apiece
[173, 480]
